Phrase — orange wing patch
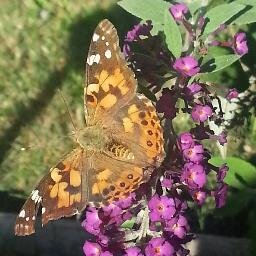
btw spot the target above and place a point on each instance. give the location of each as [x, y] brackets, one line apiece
[59, 193]
[110, 84]
[141, 117]
[108, 186]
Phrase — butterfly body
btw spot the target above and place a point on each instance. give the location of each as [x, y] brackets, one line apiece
[92, 138]
[115, 152]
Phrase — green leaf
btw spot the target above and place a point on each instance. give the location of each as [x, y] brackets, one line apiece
[128, 224]
[246, 2]
[246, 18]
[194, 5]
[219, 62]
[219, 15]
[172, 35]
[147, 10]
[240, 174]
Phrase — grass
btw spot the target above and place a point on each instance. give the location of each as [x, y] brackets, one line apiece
[43, 48]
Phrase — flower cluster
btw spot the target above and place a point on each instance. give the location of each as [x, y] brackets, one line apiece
[159, 220]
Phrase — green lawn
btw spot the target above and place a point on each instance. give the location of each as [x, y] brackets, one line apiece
[43, 48]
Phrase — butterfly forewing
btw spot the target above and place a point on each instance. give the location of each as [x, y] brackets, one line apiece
[110, 84]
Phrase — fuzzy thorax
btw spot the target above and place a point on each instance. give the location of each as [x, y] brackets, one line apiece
[91, 138]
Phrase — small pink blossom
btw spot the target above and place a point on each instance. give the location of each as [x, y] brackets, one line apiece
[232, 94]
[178, 226]
[187, 66]
[158, 246]
[178, 11]
[161, 208]
[199, 197]
[193, 175]
[194, 154]
[240, 43]
[201, 113]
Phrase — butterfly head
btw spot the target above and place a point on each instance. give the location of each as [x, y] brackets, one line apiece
[91, 138]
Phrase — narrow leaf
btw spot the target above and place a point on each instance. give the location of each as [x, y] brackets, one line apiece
[220, 62]
[172, 35]
[246, 18]
[219, 15]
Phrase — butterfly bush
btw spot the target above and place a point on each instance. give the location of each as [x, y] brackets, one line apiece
[153, 220]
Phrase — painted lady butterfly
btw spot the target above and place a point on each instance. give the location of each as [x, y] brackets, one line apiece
[122, 137]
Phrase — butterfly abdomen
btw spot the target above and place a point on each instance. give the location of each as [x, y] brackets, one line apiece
[120, 150]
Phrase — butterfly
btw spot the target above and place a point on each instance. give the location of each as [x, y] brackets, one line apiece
[121, 138]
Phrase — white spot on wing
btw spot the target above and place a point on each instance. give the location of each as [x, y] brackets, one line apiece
[43, 210]
[22, 214]
[108, 54]
[35, 196]
[27, 219]
[95, 37]
[34, 217]
[107, 43]
[103, 37]
[93, 58]
[97, 58]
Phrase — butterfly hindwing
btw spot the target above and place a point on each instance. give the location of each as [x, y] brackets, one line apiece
[60, 193]
[110, 83]
[141, 129]
[114, 179]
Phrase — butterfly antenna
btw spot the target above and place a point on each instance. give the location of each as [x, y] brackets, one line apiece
[66, 105]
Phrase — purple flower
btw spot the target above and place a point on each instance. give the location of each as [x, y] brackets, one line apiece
[232, 94]
[194, 154]
[137, 31]
[133, 251]
[222, 172]
[201, 113]
[199, 197]
[220, 195]
[112, 210]
[186, 140]
[222, 138]
[161, 208]
[166, 104]
[126, 50]
[167, 182]
[126, 202]
[240, 44]
[158, 246]
[178, 226]
[92, 222]
[178, 11]
[192, 89]
[193, 175]
[187, 66]
[94, 249]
